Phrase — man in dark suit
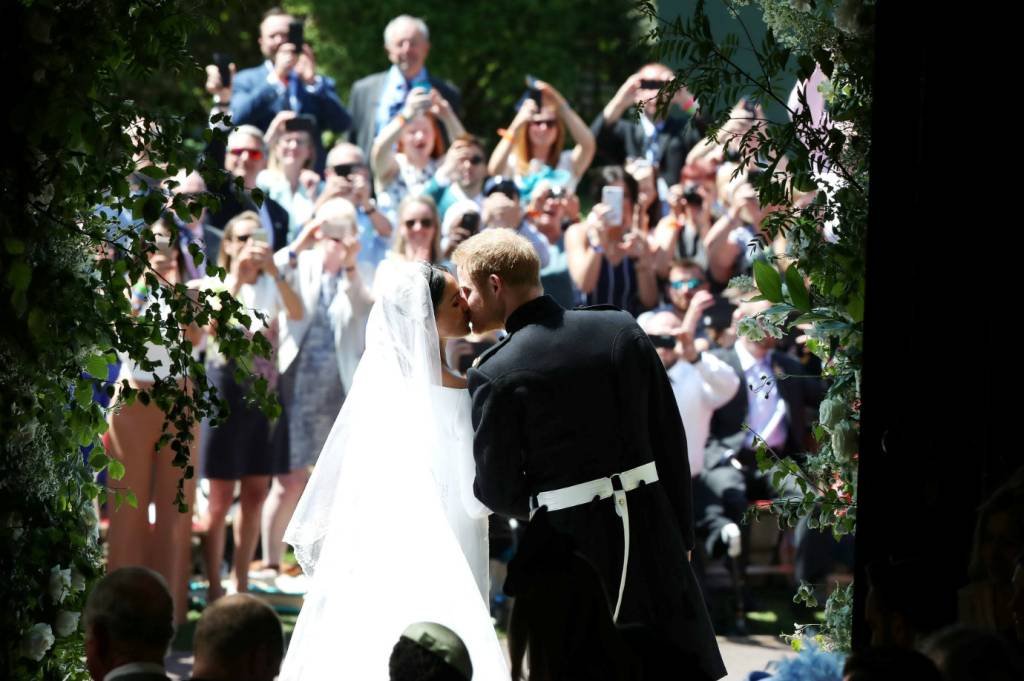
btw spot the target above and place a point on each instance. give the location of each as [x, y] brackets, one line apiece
[664, 141]
[773, 406]
[286, 81]
[573, 412]
[128, 626]
[379, 97]
[246, 156]
[238, 638]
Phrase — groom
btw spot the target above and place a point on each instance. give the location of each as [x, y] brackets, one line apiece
[573, 411]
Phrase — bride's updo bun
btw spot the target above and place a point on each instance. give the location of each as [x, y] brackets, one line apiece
[435, 281]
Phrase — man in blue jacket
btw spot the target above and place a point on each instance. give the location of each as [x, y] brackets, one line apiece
[286, 81]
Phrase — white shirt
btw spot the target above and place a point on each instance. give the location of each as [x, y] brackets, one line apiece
[700, 389]
[766, 411]
[134, 668]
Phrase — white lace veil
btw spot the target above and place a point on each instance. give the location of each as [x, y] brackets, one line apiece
[389, 412]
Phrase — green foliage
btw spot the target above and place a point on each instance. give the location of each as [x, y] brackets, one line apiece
[64, 300]
[585, 49]
[817, 177]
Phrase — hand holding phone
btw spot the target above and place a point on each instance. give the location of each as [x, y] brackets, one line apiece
[612, 196]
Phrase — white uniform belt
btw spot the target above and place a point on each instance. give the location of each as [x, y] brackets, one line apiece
[616, 485]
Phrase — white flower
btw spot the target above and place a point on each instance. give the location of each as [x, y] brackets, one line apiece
[831, 412]
[77, 581]
[800, 5]
[844, 441]
[66, 623]
[37, 641]
[60, 583]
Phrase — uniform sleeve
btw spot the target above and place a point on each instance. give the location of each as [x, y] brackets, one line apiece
[500, 481]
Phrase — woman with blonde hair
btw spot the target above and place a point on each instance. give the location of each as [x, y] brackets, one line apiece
[289, 178]
[533, 147]
[135, 428]
[239, 450]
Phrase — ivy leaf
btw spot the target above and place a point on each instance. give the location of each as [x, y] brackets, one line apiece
[129, 496]
[153, 172]
[797, 290]
[769, 283]
[96, 366]
[152, 207]
[115, 469]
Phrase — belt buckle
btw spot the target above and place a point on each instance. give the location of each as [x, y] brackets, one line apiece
[616, 481]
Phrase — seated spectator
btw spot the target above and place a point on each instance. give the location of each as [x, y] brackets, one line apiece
[900, 608]
[348, 177]
[288, 177]
[238, 638]
[428, 651]
[533, 147]
[287, 80]
[888, 664]
[408, 150]
[502, 209]
[461, 176]
[612, 264]
[128, 626]
[963, 653]
[998, 538]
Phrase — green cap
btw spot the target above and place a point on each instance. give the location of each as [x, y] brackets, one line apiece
[443, 642]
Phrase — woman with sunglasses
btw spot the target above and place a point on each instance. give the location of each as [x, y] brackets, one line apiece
[408, 150]
[289, 178]
[317, 356]
[238, 449]
[533, 146]
[417, 239]
[134, 431]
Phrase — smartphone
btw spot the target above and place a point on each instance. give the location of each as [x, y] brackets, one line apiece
[301, 123]
[259, 235]
[532, 91]
[470, 222]
[612, 196]
[296, 34]
[344, 169]
[662, 340]
[223, 63]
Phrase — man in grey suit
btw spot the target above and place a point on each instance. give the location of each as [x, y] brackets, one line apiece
[379, 97]
[128, 626]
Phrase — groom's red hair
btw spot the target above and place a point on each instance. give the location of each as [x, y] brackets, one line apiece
[501, 252]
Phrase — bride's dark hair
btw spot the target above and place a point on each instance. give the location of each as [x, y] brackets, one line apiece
[435, 281]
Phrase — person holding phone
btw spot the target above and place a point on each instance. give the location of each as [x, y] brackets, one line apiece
[662, 138]
[287, 81]
[610, 262]
[409, 149]
[238, 449]
[347, 176]
[289, 177]
[533, 146]
[376, 99]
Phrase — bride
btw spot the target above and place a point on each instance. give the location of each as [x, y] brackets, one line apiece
[388, 528]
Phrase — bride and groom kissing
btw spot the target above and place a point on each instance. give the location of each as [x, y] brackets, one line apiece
[568, 421]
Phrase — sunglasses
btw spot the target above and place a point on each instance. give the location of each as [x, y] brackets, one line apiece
[544, 122]
[475, 160]
[346, 169]
[254, 154]
[689, 284]
[425, 222]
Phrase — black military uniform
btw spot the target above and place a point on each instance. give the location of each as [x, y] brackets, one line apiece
[569, 397]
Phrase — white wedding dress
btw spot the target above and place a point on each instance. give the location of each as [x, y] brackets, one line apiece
[388, 528]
